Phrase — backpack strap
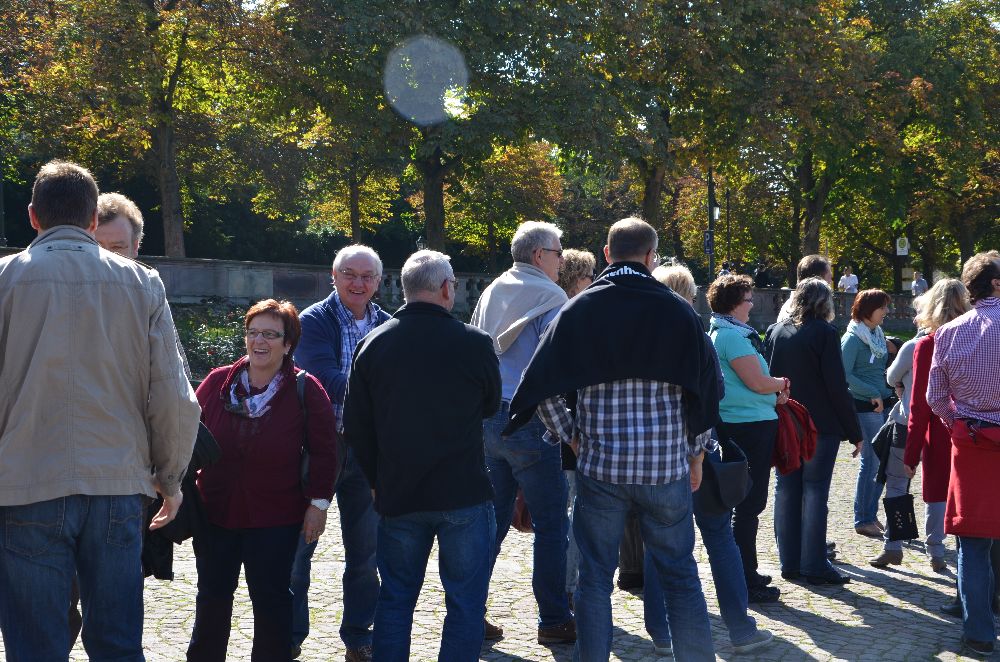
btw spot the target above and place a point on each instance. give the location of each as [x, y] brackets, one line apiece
[300, 390]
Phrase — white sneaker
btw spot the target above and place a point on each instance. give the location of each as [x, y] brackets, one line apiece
[760, 639]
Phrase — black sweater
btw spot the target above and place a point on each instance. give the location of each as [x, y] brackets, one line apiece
[810, 357]
[420, 386]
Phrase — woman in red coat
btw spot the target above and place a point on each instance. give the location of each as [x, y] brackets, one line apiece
[255, 500]
[927, 438]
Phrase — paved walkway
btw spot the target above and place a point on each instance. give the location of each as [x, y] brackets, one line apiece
[880, 615]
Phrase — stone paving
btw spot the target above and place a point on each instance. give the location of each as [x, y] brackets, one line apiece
[881, 615]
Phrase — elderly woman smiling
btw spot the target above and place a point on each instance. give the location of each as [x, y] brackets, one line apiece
[254, 497]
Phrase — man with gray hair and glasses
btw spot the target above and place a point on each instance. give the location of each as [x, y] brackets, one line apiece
[331, 329]
[515, 309]
[420, 387]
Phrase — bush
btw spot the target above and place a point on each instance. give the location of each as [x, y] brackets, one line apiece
[211, 333]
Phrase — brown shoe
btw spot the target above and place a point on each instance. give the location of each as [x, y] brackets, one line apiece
[559, 634]
[493, 632]
[938, 564]
[880, 525]
[886, 558]
[870, 530]
[363, 654]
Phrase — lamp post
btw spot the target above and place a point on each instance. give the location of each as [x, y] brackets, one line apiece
[421, 243]
[729, 234]
[713, 216]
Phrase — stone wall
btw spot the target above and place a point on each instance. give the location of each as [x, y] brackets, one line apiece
[190, 280]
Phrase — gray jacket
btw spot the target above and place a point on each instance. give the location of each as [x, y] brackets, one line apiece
[93, 396]
[901, 370]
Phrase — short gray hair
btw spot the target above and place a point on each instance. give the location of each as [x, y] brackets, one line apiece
[425, 271]
[530, 236]
[812, 299]
[678, 278]
[357, 249]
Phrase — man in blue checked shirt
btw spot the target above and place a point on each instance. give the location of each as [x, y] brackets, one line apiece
[625, 375]
[331, 329]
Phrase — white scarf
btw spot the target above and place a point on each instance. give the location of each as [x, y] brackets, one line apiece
[253, 406]
[516, 297]
[874, 338]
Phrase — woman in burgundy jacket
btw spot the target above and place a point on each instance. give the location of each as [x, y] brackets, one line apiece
[927, 438]
[254, 497]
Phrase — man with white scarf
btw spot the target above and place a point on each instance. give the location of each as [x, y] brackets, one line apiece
[515, 309]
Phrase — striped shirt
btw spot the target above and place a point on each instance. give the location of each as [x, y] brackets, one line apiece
[631, 431]
[965, 371]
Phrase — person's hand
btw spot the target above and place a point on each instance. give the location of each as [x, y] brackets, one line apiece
[909, 471]
[878, 405]
[574, 445]
[899, 392]
[695, 466]
[314, 524]
[783, 397]
[857, 448]
[168, 511]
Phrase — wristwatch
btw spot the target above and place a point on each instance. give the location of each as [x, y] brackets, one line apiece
[322, 504]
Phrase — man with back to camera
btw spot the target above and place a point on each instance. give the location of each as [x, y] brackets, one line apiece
[626, 374]
[73, 482]
[514, 310]
[421, 385]
[331, 329]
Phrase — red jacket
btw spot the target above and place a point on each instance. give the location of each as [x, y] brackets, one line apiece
[972, 493]
[927, 438]
[256, 482]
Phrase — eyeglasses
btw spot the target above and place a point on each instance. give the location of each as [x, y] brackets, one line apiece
[557, 251]
[267, 333]
[351, 277]
[750, 300]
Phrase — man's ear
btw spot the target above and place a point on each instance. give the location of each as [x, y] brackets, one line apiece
[92, 228]
[607, 254]
[33, 219]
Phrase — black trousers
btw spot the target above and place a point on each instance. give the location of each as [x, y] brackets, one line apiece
[756, 439]
[266, 554]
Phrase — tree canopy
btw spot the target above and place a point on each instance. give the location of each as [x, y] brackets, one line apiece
[265, 130]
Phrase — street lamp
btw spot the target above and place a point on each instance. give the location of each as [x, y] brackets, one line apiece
[421, 243]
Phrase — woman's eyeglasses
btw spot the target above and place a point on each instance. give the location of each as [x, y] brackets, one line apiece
[267, 333]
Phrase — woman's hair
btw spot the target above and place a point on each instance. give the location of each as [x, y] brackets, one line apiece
[576, 264]
[283, 310]
[678, 278]
[812, 299]
[867, 302]
[726, 292]
[945, 301]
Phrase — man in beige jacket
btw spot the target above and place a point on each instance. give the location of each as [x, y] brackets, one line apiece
[95, 415]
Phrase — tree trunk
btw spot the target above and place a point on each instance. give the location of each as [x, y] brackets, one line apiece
[674, 224]
[491, 245]
[966, 236]
[652, 192]
[354, 191]
[433, 172]
[814, 193]
[170, 188]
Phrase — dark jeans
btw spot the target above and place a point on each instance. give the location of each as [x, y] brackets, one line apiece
[266, 555]
[44, 546]
[465, 538]
[756, 440]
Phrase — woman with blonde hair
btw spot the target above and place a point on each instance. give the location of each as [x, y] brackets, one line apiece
[577, 271]
[927, 438]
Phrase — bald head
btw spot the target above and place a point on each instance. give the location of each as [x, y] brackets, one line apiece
[631, 240]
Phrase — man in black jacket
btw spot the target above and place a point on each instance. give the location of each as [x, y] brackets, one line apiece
[420, 386]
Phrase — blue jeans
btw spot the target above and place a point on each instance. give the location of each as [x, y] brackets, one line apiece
[934, 528]
[800, 511]
[266, 556]
[867, 492]
[976, 587]
[465, 546]
[524, 459]
[730, 584]
[668, 532]
[42, 547]
[358, 526]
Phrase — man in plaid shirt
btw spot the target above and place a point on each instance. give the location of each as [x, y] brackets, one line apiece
[964, 390]
[640, 444]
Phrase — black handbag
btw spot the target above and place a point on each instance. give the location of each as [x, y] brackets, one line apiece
[900, 519]
[724, 483]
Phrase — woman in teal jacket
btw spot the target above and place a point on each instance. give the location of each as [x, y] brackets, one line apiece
[866, 353]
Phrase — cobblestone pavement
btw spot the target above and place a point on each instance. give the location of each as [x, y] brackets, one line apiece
[881, 615]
